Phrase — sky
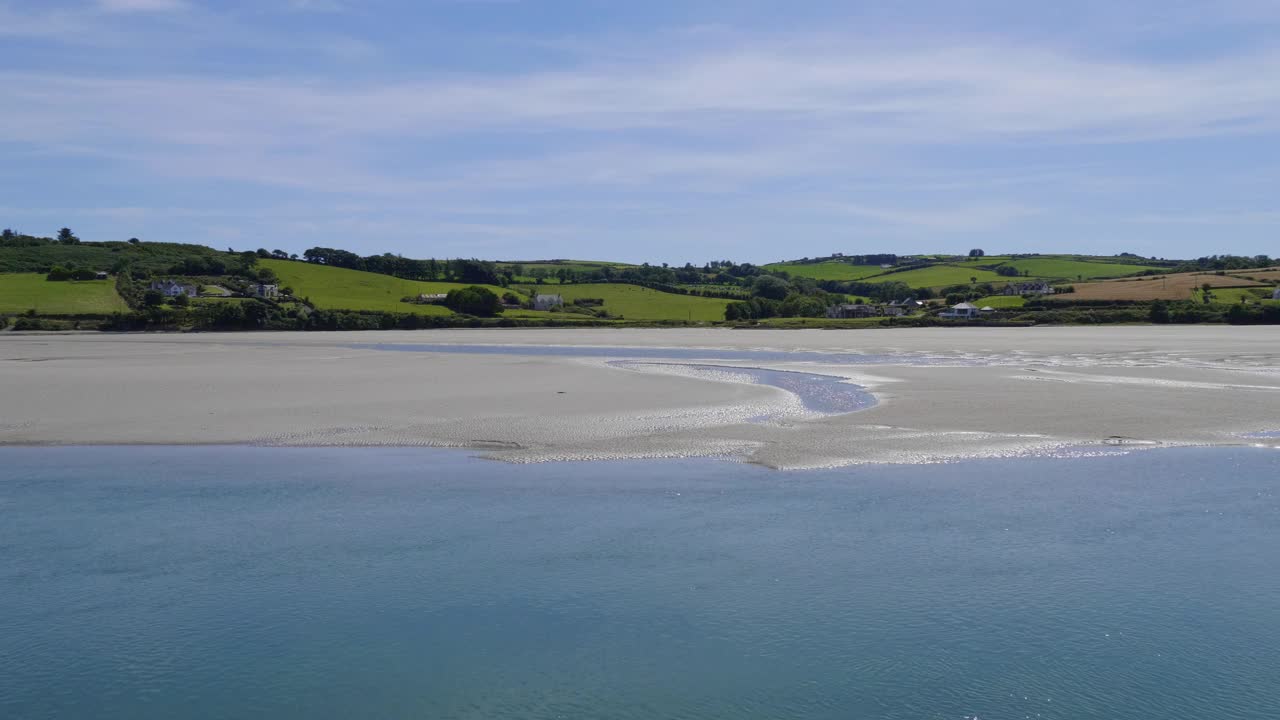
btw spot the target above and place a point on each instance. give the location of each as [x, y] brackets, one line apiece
[662, 131]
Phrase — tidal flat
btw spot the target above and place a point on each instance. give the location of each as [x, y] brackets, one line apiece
[893, 396]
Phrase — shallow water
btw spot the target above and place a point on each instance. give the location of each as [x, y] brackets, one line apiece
[331, 583]
[818, 395]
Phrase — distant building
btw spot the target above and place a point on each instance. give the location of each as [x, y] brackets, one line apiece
[432, 297]
[170, 288]
[987, 310]
[903, 307]
[1028, 288]
[963, 311]
[264, 290]
[1276, 295]
[851, 310]
[546, 302]
[101, 275]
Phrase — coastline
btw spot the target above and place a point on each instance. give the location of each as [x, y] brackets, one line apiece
[941, 394]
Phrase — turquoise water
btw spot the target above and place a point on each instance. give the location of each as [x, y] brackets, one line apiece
[337, 583]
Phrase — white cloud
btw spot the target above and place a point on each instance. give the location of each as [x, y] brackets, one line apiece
[810, 128]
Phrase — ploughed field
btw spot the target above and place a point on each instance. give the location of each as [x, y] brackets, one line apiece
[1181, 286]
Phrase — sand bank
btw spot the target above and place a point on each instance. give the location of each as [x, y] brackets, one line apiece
[942, 393]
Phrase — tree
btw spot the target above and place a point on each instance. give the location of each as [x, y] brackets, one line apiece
[180, 300]
[66, 237]
[973, 280]
[153, 298]
[767, 286]
[473, 300]
[1159, 312]
[977, 252]
[134, 241]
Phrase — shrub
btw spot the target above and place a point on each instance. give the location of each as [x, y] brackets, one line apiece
[473, 300]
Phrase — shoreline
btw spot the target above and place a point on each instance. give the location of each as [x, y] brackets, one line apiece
[940, 396]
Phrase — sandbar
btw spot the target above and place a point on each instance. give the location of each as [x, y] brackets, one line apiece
[942, 394]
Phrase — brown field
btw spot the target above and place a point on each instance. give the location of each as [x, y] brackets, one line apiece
[1266, 275]
[1156, 287]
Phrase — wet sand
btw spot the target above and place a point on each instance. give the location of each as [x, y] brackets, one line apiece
[943, 393]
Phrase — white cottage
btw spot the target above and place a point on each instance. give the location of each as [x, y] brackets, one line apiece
[963, 311]
[546, 302]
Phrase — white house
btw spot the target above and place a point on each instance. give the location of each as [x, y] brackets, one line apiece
[264, 290]
[963, 311]
[432, 297]
[851, 310]
[1276, 295]
[101, 275]
[546, 302]
[170, 288]
[903, 307]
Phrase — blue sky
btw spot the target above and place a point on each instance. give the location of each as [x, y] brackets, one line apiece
[664, 131]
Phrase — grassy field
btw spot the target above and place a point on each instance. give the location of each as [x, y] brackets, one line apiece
[1234, 295]
[828, 270]
[1072, 269]
[1157, 287]
[639, 303]
[20, 292]
[941, 275]
[1001, 301]
[984, 261]
[333, 288]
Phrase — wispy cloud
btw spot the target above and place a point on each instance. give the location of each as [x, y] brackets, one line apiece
[899, 135]
[142, 5]
[750, 112]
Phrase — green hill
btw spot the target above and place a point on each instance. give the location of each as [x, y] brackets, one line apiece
[939, 271]
[1072, 268]
[331, 288]
[160, 258]
[940, 276]
[20, 292]
[640, 303]
[827, 270]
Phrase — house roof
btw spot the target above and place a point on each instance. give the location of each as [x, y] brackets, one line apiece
[964, 306]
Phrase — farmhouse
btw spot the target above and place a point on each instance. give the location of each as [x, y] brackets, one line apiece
[1028, 288]
[101, 275]
[170, 288]
[963, 311]
[432, 297]
[264, 290]
[1276, 294]
[902, 307]
[546, 302]
[850, 310]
